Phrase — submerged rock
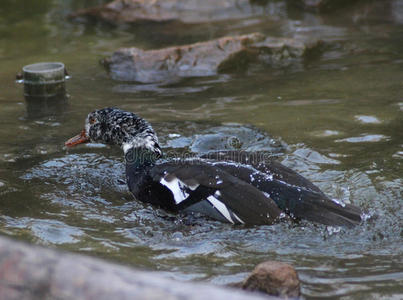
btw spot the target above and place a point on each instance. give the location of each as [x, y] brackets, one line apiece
[273, 278]
[203, 59]
[186, 11]
[226, 137]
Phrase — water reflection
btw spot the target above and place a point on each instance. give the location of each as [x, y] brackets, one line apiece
[39, 107]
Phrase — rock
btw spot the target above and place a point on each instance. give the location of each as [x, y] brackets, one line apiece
[196, 11]
[186, 11]
[32, 272]
[203, 59]
[273, 278]
[203, 138]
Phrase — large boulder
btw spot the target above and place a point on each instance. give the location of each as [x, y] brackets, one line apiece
[205, 58]
[196, 11]
[36, 273]
[186, 11]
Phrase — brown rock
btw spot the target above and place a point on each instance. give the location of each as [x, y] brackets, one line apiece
[274, 278]
[186, 11]
[203, 59]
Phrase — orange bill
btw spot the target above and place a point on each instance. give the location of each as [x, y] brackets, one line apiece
[78, 139]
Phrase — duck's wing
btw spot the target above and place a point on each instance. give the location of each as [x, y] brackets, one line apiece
[202, 187]
[264, 162]
[298, 201]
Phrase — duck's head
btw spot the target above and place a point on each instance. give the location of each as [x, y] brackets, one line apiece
[114, 126]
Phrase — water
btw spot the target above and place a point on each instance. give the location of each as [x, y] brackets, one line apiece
[336, 118]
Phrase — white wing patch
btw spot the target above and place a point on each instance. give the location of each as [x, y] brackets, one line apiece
[220, 207]
[178, 189]
[238, 218]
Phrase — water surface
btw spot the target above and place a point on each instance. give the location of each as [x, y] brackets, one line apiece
[336, 118]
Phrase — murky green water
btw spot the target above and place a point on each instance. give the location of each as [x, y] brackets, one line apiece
[337, 118]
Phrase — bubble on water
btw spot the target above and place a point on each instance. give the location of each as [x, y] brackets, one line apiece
[365, 216]
[177, 236]
[333, 229]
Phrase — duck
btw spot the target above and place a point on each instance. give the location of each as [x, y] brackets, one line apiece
[229, 186]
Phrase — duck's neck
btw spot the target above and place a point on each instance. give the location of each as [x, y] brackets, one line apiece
[142, 150]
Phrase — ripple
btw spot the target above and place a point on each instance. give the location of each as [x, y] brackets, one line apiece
[370, 138]
[302, 102]
[158, 89]
[398, 154]
[315, 157]
[149, 237]
[83, 184]
[46, 230]
[72, 168]
[325, 133]
[367, 119]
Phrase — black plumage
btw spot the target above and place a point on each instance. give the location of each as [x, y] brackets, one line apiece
[230, 186]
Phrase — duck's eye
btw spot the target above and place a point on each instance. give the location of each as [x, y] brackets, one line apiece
[91, 121]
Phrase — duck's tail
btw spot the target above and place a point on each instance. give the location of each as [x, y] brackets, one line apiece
[316, 207]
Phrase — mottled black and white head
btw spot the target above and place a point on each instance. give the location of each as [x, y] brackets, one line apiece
[114, 126]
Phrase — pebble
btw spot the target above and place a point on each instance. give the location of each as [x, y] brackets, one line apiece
[274, 278]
